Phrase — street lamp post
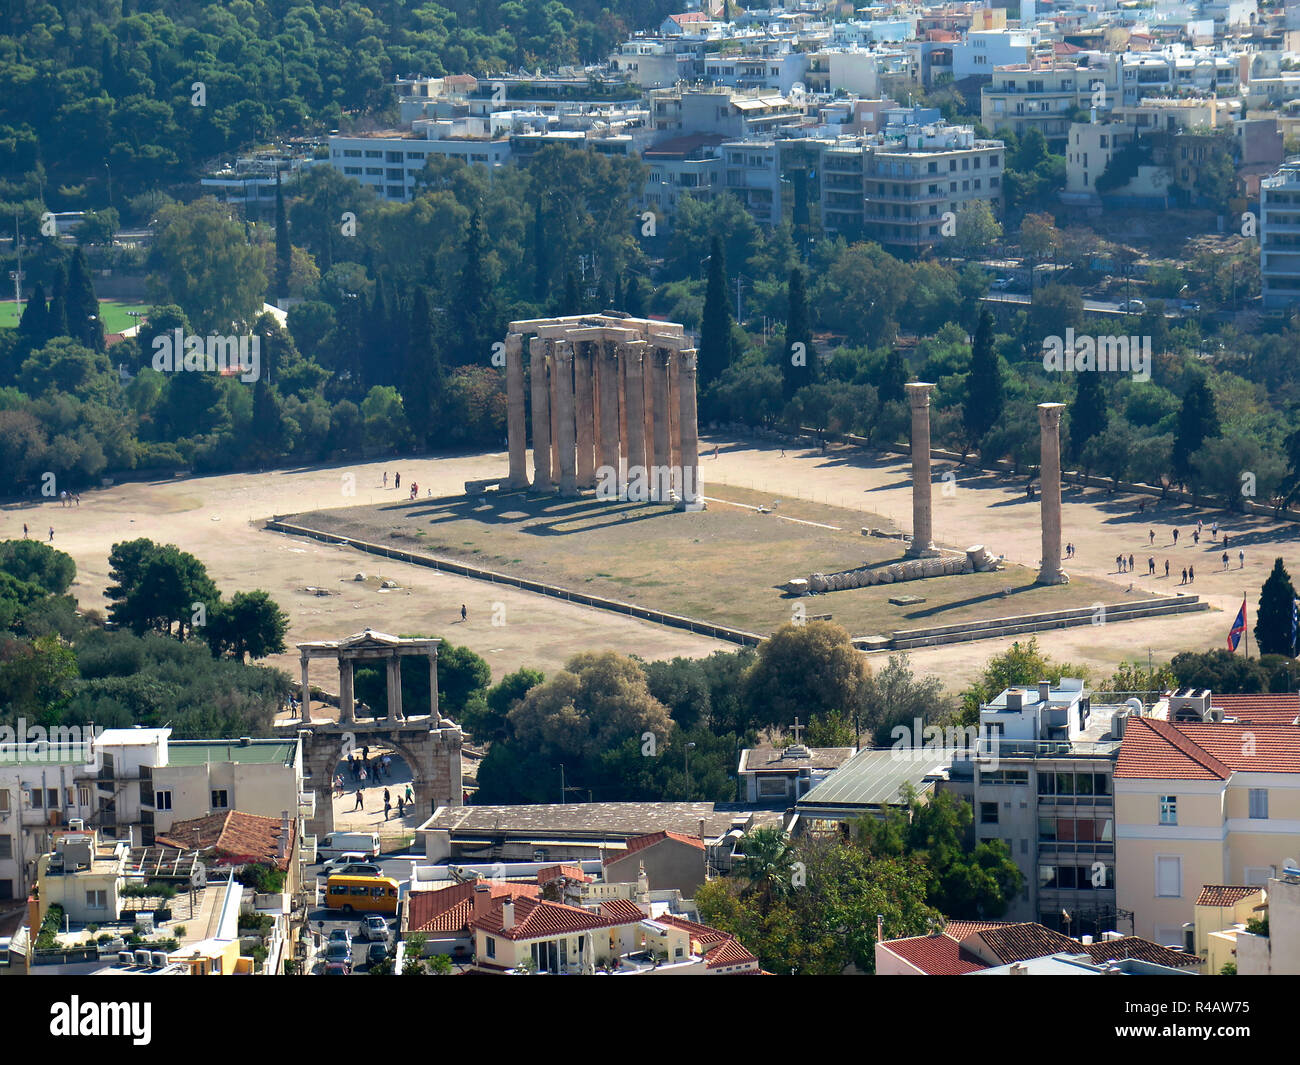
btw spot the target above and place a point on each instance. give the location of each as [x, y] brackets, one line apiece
[686, 753]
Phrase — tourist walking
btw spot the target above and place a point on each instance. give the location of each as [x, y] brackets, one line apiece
[360, 805]
[1151, 537]
[1241, 558]
[1175, 537]
[51, 534]
[1131, 567]
[1191, 574]
[388, 804]
[338, 785]
[464, 614]
[1184, 580]
[410, 795]
[1225, 560]
[401, 806]
[397, 480]
[385, 478]
[24, 530]
[1151, 565]
[1225, 539]
[1166, 567]
[1196, 537]
[1214, 530]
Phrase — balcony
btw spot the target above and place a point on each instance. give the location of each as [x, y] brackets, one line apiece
[307, 803]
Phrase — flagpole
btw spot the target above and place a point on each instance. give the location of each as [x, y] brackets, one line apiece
[1247, 621]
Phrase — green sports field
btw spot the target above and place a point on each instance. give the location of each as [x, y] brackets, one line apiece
[114, 314]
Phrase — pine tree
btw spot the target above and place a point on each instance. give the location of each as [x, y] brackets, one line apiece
[32, 326]
[984, 393]
[798, 330]
[283, 249]
[1273, 619]
[1198, 421]
[84, 322]
[378, 341]
[268, 423]
[1088, 416]
[56, 319]
[893, 378]
[715, 329]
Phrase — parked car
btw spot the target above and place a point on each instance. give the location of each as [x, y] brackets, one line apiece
[341, 935]
[337, 865]
[338, 968]
[376, 953]
[374, 929]
[1001, 284]
[1133, 306]
[338, 958]
[336, 844]
[359, 869]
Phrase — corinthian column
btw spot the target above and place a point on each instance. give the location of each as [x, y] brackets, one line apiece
[541, 417]
[564, 393]
[1049, 425]
[918, 394]
[692, 494]
[609, 455]
[516, 427]
[586, 414]
[660, 473]
[634, 391]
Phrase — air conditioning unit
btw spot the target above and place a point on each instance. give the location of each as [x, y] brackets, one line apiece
[125, 957]
[142, 958]
[159, 958]
[76, 824]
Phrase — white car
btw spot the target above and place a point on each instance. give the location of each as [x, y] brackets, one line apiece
[1133, 306]
[335, 865]
[1001, 284]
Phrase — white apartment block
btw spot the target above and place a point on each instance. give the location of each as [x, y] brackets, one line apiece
[985, 49]
[1179, 70]
[1279, 237]
[1047, 98]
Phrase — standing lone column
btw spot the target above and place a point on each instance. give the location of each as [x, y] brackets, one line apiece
[918, 394]
[692, 496]
[305, 713]
[609, 416]
[394, 689]
[1049, 464]
[433, 684]
[516, 430]
[347, 701]
[586, 412]
[634, 391]
[541, 417]
[660, 472]
[564, 391]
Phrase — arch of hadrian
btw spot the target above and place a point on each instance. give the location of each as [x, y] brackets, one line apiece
[612, 407]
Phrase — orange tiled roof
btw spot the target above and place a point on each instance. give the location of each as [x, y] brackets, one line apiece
[1159, 749]
[622, 911]
[1021, 942]
[1223, 894]
[702, 932]
[638, 843]
[555, 872]
[728, 952]
[959, 930]
[449, 909]
[936, 955]
[1274, 709]
[535, 918]
[236, 837]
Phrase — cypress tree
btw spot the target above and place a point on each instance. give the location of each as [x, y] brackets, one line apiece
[56, 319]
[32, 326]
[1088, 417]
[1273, 619]
[423, 381]
[715, 329]
[572, 300]
[617, 300]
[84, 322]
[1198, 421]
[541, 254]
[283, 249]
[798, 330]
[475, 303]
[893, 378]
[984, 398]
[634, 298]
[377, 341]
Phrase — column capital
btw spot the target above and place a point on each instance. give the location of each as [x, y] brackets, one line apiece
[1049, 414]
[918, 392]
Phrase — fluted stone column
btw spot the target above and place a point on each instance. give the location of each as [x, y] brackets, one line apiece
[633, 354]
[555, 410]
[623, 462]
[305, 712]
[674, 423]
[433, 684]
[1049, 424]
[609, 456]
[918, 394]
[563, 376]
[662, 461]
[394, 689]
[347, 700]
[583, 382]
[648, 403]
[516, 426]
[542, 481]
[691, 492]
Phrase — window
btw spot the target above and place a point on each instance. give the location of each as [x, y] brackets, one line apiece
[491, 946]
[51, 798]
[4, 802]
[96, 900]
[6, 846]
[1169, 878]
[220, 800]
[83, 797]
[1169, 809]
[163, 800]
[35, 798]
[6, 889]
[1259, 804]
[988, 813]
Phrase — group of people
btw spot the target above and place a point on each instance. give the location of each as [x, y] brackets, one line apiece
[69, 499]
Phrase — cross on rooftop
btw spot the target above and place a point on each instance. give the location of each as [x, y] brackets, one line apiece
[797, 728]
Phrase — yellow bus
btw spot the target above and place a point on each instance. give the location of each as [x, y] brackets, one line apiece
[361, 894]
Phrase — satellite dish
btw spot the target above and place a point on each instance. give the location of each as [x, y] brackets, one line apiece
[199, 877]
[798, 89]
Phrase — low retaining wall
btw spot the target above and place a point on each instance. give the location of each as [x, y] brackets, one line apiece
[904, 639]
[701, 628]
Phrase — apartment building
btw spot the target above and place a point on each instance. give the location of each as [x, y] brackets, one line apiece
[390, 162]
[1279, 236]
[682, 166]
[1179, 71]
[1274, 949]
[1221, 912]
[1049, 97]
[752, 173]
[249, 181]
[1044, 787]
[1197, 803]
[734, 114]
[983, 50]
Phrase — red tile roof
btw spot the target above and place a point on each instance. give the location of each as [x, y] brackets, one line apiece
[640, 843]
[1274, 709]
[959, 930]
[236, 838]
[535, 918]
[728, 952]
[936, 955]
[449, 909]
[702, 932]
[555, 872]
[1224, 894]
[621, 911]
[1021, 942]
[1158, 749]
